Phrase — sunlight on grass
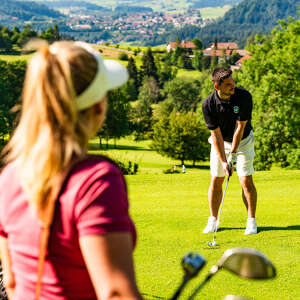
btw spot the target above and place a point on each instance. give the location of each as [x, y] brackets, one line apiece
[10, 57]
[171, 210]
[194, 74]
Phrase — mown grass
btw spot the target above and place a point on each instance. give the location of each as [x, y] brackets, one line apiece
[10, 57]
[194, 74]
[170, 212]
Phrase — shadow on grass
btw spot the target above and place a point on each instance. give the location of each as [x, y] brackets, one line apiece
[270, 228]
[264, 228]
[11, 52]
[197, 167]
[148, 296]
[95, 146]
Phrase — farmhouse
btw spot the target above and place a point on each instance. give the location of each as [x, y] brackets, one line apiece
[226, 46]
[186, 45]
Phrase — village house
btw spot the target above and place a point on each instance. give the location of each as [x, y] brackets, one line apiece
[241, 60]
[190, 46]
[224, 50]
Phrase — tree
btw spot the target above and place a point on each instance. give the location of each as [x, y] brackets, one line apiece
[272, 76]
[123, 56]
[129, 91]
[26, 35]
[51, 34]
[133, 72]
[183, 93]
[142, 112]
[184, 61]
[11, 81]
[181, 136]
[5, 42]
[117, 118]
[234, 57]
[56, 32]
[149, 68]
[166, 72]
[197, 42]
[198, 60]
[149, 91]
[176, 54]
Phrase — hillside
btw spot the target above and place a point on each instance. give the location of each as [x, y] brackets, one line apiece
[156, 5]
[242, 21]
[25, 10]
[75, 3]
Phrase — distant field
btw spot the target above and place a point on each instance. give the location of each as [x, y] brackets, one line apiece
[170, 6]
[156, 5]
[214, 12]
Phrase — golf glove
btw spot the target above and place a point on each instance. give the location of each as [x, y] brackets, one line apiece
[232, 158]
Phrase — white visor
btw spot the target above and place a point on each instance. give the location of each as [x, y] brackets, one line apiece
[111, 74]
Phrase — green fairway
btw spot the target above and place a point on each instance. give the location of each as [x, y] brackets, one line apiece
[10, 57]
[170, 212]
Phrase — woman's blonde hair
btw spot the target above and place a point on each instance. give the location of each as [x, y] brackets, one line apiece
[51, 130]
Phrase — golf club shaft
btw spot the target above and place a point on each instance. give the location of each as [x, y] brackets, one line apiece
[200, 286]
[219, 214]
[180, 288]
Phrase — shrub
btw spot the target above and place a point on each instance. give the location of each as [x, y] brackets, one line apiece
[123, 56]
[128, 168]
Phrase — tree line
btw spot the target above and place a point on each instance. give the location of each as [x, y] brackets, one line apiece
[14, 39]
[156, 104]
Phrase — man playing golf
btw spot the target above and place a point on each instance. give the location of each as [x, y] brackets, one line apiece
[227, 114]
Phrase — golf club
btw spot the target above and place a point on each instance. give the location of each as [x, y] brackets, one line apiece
[245, 262]
[191, 263]
[213, 243]
[3, 295]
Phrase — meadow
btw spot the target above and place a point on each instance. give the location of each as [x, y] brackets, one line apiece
[171, 210]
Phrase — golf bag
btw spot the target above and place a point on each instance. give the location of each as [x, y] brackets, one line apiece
[3, 295]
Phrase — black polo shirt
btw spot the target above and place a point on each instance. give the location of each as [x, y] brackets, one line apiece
[224, 114]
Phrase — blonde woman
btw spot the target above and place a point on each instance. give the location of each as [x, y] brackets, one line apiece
[89, 253]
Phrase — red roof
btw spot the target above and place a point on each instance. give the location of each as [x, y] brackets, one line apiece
[242, 52]
[243, 58]
[218, 53]
[230, 46]
[189, 45]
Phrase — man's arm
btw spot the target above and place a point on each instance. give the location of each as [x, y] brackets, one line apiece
[238, 134]
[218, 143]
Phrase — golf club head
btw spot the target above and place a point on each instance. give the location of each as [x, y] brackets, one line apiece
[212, 244]
[248, 263]
[192, 263]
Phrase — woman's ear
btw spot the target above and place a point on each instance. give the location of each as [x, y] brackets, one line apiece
[101, 106]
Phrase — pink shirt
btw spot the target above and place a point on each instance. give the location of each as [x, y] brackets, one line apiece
[93, 201]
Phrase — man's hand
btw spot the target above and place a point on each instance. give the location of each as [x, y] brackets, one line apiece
[231, 160]
[227, 168]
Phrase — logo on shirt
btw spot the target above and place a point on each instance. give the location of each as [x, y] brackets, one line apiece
[236, 109]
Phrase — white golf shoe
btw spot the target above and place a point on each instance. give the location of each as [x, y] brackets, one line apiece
[251, 226]
[211, 225]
